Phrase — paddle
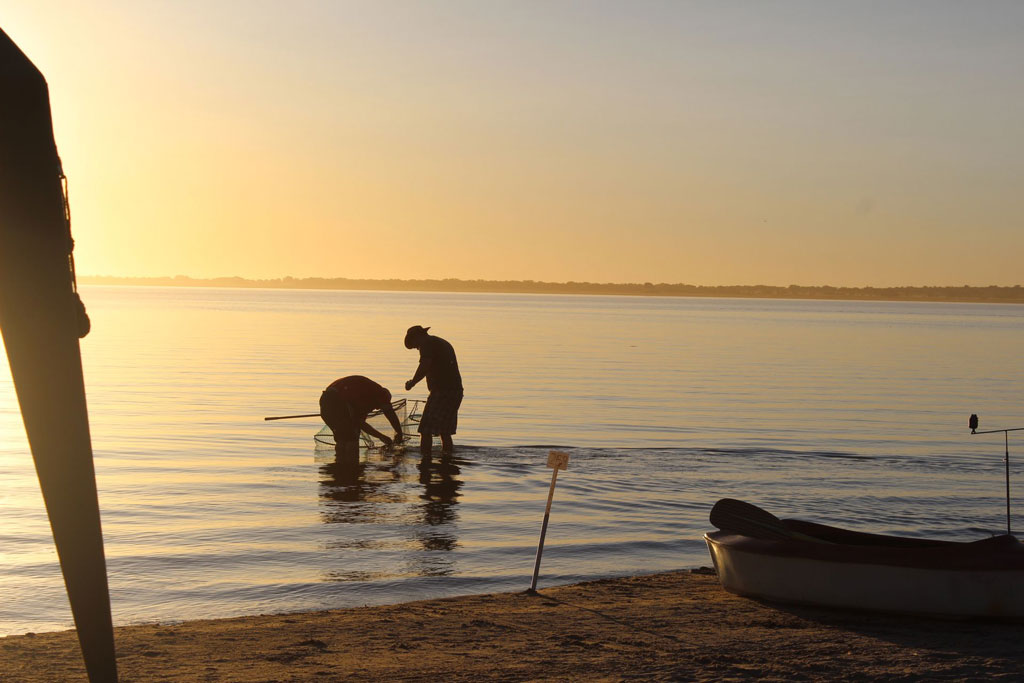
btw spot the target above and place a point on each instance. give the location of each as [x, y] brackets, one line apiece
[747, 519]
[290, 417]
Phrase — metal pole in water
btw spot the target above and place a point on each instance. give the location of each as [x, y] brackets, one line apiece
[1006, 460]
[556, 461]
[973, 424]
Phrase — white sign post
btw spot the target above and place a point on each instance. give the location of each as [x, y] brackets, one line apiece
[557, 460]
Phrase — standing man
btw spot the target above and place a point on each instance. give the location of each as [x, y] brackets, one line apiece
[439, 365]
[345, 405]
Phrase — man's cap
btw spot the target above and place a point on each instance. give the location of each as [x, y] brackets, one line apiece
[413, 333]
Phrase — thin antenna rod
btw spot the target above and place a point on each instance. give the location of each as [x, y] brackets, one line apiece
[1006, 459]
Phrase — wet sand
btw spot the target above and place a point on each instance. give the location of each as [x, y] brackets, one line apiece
[674, 626]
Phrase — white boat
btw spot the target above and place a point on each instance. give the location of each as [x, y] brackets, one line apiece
[758, 555]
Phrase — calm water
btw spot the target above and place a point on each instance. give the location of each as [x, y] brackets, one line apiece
[844, 412]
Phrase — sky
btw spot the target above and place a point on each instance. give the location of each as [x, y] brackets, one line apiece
[713, 143]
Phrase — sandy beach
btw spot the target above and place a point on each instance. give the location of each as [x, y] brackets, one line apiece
[673, 626]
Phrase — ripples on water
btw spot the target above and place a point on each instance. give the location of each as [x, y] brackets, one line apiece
[844, 413]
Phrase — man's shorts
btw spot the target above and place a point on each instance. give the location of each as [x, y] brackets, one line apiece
[340, 417]
[441, 414]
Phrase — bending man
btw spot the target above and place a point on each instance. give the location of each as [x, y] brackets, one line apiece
[347, 402]
[439, 365]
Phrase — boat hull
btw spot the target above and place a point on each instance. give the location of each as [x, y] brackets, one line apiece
[984, 580]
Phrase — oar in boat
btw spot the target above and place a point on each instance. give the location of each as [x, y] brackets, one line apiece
[292, 417]
[747, 519]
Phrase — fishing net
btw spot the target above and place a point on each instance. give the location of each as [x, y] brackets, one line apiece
[408, 412]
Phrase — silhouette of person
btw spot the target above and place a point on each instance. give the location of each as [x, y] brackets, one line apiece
[444, 383]
[345, 405]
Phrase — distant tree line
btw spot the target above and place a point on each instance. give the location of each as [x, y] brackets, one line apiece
[963, 293]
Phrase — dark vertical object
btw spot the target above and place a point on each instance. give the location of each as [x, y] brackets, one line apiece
[973, 424]
[1006, 463]
[39, 315]
[557, 460]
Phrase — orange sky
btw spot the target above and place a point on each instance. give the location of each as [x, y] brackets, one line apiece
[701, 142]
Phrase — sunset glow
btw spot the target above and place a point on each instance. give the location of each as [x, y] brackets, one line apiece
[709, 143]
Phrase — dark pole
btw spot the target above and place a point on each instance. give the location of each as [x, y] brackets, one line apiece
[1006, 461]
[557, 460]
[1006, 458]
[543, 531]
[41, 319]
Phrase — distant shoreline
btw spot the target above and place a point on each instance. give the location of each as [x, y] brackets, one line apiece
[962, 294]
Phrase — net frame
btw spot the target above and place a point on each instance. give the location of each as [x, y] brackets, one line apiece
[409, 412]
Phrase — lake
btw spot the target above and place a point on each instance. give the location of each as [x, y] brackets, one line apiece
[851, 413]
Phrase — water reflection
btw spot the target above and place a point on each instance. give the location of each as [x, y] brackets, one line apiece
[411, 503]
[351, 480]
[440, 496]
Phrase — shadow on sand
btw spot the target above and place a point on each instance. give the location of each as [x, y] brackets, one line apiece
[982, 638]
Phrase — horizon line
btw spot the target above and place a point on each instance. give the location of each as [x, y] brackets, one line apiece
[936, 293]
[292, 279]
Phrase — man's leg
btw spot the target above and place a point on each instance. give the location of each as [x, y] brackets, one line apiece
[340, 417]
[450, 421]
[346, 451]
[426, 444]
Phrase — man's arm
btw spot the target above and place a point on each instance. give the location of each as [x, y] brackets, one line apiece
[392, 417]
[373, 432]
[421, 372]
